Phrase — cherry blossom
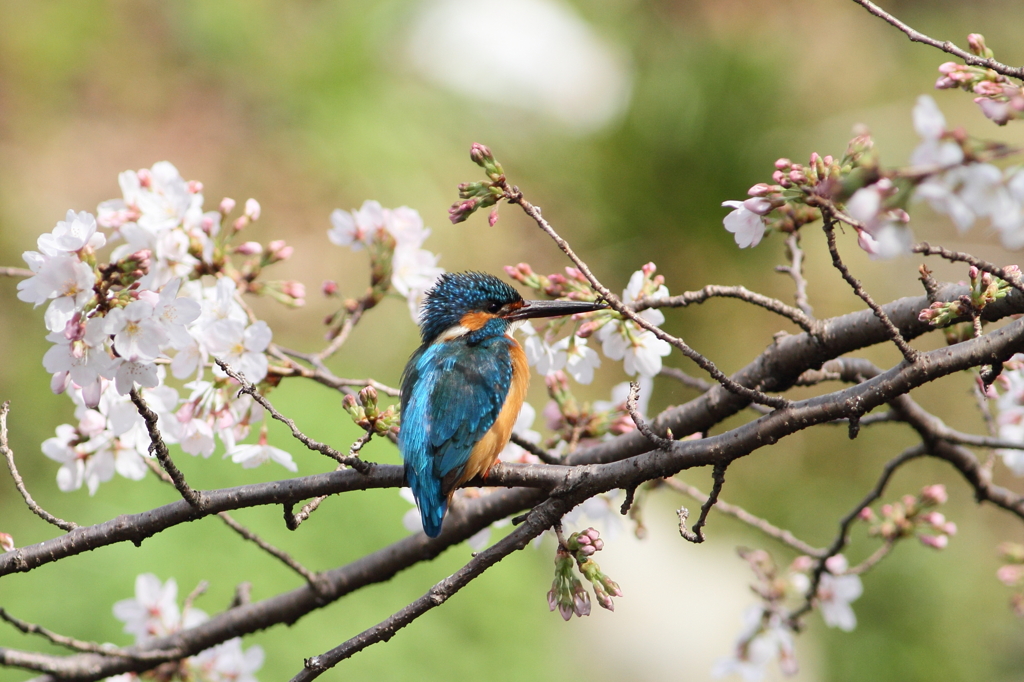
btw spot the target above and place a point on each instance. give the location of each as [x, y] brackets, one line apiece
[240, 347]
[835, 593]
[227, 662]
[579, 360]
[746, 226]
[764, 637]
[63, 278]
[930, 125]
[251, 456]
[137, 335]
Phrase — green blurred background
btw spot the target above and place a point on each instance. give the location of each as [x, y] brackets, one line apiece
[629, 122]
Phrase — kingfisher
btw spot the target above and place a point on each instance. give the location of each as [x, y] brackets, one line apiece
[464, 386]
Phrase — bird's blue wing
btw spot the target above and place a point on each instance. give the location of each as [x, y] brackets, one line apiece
[452, 393]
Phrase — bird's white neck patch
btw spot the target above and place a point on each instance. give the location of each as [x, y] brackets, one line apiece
[454, 332]
[513, 326]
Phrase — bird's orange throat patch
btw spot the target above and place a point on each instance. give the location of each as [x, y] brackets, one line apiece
[476, 320]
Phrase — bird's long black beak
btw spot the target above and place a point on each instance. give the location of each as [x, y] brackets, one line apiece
[553, 309]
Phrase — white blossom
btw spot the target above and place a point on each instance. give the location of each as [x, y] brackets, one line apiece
[746, 226]
[579, 360]
[227, 662]
[241, 347]
[137, 335]
[758, 643]
[250, 456]
[63, 278]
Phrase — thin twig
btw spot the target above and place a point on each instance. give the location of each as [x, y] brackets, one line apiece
[696, 536]
[960, 257]
[359, 465]
[293, 521]
[782, 535]
[514, 196]
[538, 520]
[351, 320]
[796, 271]
[685, 379]
[945, 45]
[159, 448]
[323, 376]
[535, 450]
[77, 644]
[16, 272]
[641, 425]
[830, 233]
[795, 315]
[9, 455]
[871, 561]
[843, 536]
[281, 555]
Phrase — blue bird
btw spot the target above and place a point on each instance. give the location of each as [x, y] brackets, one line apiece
[463, 388]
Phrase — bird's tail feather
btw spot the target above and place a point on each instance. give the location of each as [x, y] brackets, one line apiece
[432, 502]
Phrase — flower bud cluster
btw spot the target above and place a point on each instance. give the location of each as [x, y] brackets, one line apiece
[477, 195]
[1011, 574]
[999, 98]
[573, 285]
[788, 204]
[986, 288]
[913, 516]
[366, 413]
[567, 593]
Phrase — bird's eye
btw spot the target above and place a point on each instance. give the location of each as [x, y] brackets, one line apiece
[493, 307]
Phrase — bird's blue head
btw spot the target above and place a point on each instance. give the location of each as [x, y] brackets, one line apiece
[482, 306]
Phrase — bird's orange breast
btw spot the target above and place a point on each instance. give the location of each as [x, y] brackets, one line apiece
[485, 452]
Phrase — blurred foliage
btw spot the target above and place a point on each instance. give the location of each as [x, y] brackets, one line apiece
[312, 105]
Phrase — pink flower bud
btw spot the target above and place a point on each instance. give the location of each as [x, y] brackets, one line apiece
[988, 89]
[329, 287]
[934, 541]
[949, 528]
[836, 564]
[802, 564]
[598, 544]
[59, 382]
[976, 42]
[760, 189]
[252, 209]
[797, 177]
[933, 518]
[227, 205]
[492, 219]
[583, 539]
[945, 83]
[587, 550]
[1010, 575]
[934, 494]
[783, 164]
[195, 187]
[145, 177]
[296, 290]
[758, 205]
[780, 178]
[588, 328]
[6, 542]
[240, 223]
[249, 249]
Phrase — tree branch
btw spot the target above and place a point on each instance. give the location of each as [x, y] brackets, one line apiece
[945, 46]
